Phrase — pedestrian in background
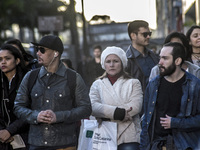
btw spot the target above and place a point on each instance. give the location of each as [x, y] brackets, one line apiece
[30, 62]
[12, 72]
[117, 97]
[52, 107]
[67, 63]
[82, 67]
[94, 69]
[140, 59]
[193, 36]
[171, 105]
[187, 65]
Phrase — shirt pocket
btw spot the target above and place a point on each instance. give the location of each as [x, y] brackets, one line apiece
[37, 101]
[63, 100]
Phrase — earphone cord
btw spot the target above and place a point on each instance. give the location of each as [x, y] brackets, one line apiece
[50, 63]
[3, 106]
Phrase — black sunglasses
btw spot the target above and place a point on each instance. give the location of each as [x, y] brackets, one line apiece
[41, 49]
[145, 34]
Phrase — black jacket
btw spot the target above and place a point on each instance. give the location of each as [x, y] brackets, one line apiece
[133, 67]
[8, 120]
[94, 70]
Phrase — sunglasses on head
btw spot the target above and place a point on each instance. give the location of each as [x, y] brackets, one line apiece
[41, 49]
[145, 34]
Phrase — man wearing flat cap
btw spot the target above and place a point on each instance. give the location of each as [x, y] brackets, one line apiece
[49, 106]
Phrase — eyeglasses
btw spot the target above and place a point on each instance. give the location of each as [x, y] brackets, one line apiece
[41, 49]
[145, 34]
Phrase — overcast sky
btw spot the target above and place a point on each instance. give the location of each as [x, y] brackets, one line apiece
[121, 10]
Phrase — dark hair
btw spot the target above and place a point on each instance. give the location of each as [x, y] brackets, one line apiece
[26, 56]
[183, 39]
[177, 51]
[133, 27]
[97, 47]
[189, 32]
[15, 52]
[68, 62]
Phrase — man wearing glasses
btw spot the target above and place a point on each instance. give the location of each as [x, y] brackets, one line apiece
[49, 107]
[140, 59]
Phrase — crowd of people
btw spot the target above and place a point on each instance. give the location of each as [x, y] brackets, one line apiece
[155, 101]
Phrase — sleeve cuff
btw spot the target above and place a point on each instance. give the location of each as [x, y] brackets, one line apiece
[119, 114]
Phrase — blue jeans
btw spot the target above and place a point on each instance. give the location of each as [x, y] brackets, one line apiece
[129, 146]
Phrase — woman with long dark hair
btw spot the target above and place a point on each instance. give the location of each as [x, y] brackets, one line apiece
[193, 36]
[12, 71]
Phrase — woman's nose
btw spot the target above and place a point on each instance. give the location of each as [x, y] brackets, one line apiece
[111, 64]
[3, 61]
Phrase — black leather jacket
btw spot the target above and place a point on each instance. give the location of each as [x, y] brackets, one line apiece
[52, 92]
[133, 67]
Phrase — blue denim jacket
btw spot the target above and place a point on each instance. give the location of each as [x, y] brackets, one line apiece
[186, 126]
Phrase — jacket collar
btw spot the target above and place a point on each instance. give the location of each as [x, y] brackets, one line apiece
[60, 72]
[133, 53]
[188, 76]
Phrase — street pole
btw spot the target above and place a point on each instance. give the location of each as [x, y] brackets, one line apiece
[85, 44]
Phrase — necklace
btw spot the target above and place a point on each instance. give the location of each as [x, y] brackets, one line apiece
[195, 53]
[196, 56]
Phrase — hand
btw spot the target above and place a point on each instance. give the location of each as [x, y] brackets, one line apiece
[166, 122]
[127, 115]
[4, 135]
[51, 115]
[10, 140]
[47, 116]
[99, 120]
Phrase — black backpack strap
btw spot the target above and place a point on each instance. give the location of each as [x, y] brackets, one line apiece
[71, 81]
[32, 79]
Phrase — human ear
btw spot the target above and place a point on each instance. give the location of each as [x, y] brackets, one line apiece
[132, 35]
[178, 61]
[17, 61]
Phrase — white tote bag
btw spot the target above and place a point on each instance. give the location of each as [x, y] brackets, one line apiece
[95, 137]
[86, 133]
[105, 136]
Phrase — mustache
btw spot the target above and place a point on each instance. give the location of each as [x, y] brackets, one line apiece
[160, 66]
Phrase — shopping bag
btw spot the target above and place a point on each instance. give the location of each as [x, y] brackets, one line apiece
[98, 137]
[105, 136]
[86, 133]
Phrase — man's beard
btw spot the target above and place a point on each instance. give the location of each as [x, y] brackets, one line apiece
[167, 71]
